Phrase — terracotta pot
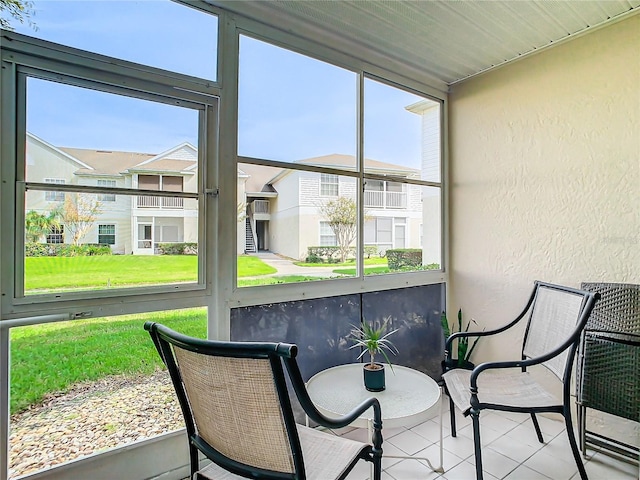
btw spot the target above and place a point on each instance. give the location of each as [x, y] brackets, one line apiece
[374, 377]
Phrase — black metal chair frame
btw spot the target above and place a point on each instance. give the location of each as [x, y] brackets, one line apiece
[572, 342]
[277, 353]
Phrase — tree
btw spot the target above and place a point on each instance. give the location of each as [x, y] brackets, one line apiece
[78, 214]
[342, 215]
[19, 10]
[39, 225]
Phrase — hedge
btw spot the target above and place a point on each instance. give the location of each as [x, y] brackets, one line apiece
[177, 248]
[330, 254]
[34, 249]
[400, 258]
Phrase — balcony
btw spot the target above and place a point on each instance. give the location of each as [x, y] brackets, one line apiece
[377, 199]
[172, 203]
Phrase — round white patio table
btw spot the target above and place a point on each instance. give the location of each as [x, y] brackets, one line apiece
[410, 397]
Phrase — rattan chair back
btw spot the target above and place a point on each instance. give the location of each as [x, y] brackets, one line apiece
[236, 409]
[235, 400]
[553, 320]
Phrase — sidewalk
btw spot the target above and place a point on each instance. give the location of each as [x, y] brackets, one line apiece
[285, 266]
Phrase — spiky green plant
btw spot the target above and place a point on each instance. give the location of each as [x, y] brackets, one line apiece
[373, 340]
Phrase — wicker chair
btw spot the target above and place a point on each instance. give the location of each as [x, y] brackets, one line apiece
[557, 316]
[607, 377]
[237, 410]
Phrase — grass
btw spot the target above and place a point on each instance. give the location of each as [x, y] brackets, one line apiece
[348, 263]
[367, 271]
[48, 273]
[52, 357]
[277, 280]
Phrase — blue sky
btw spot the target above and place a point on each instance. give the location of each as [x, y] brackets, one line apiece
[291, 107]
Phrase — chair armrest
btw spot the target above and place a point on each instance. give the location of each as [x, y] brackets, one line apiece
[314, 414]
[447, 347]
[524, 363]
[484, 333]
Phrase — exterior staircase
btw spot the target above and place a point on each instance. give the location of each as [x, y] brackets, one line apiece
[250, 245]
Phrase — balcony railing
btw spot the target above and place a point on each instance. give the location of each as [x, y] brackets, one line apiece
[260, 206]
[376, 199]
[160, 202]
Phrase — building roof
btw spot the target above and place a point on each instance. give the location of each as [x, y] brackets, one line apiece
[349, 162]
[106, 162]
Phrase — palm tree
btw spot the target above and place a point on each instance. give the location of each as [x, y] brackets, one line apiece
[39, 225]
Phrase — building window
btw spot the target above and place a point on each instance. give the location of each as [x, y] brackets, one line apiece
[327, 236]
[56, 234]
[328, 185]
[379, 232]
[107, 197]
[54, 196]
[107, 234]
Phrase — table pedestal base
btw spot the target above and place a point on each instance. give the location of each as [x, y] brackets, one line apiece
[438, 469]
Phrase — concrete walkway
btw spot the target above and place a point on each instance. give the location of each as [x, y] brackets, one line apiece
[285, 266]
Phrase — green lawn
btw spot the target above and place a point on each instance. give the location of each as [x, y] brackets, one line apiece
[52, 357]
[348, 263]
[47, 273]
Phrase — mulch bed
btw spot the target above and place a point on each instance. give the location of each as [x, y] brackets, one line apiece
[90, 418]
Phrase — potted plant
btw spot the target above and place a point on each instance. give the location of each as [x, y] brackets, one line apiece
[464, 352]
[373, 340]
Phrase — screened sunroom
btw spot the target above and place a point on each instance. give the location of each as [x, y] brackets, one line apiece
[183, 162]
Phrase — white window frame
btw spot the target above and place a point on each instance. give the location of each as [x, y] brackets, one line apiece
[106, 197]
[102, 225]
[329, 185]
[46, 61]
[57, 233]
[326, 232]
[54, 195]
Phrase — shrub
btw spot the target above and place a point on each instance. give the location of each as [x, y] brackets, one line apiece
[400, 258]
[370, 250]
[323, 253]
[183, 248]
[33, 249]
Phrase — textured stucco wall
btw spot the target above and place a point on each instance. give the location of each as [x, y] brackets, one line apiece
[545, 176]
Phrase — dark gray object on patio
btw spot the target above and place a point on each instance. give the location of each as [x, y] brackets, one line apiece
[557, 316]
[237, 411]
[608, 378]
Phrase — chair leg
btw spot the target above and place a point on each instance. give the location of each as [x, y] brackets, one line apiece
[475, 418]
[377, 468]
[573, 443]
[452, 414]
[536, 425]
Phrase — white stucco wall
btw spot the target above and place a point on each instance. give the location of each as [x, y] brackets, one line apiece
[545, 176]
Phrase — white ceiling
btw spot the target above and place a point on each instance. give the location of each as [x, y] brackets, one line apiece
[447, 40]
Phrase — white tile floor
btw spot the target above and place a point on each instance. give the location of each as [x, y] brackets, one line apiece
[511, 451]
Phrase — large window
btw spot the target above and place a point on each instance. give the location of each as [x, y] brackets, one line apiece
[83, 133]
[303, 118]
[151, 33]
[122, 144]
[85, 386]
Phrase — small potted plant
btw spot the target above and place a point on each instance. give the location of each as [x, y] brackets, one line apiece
[373, 340]
[464, 352]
